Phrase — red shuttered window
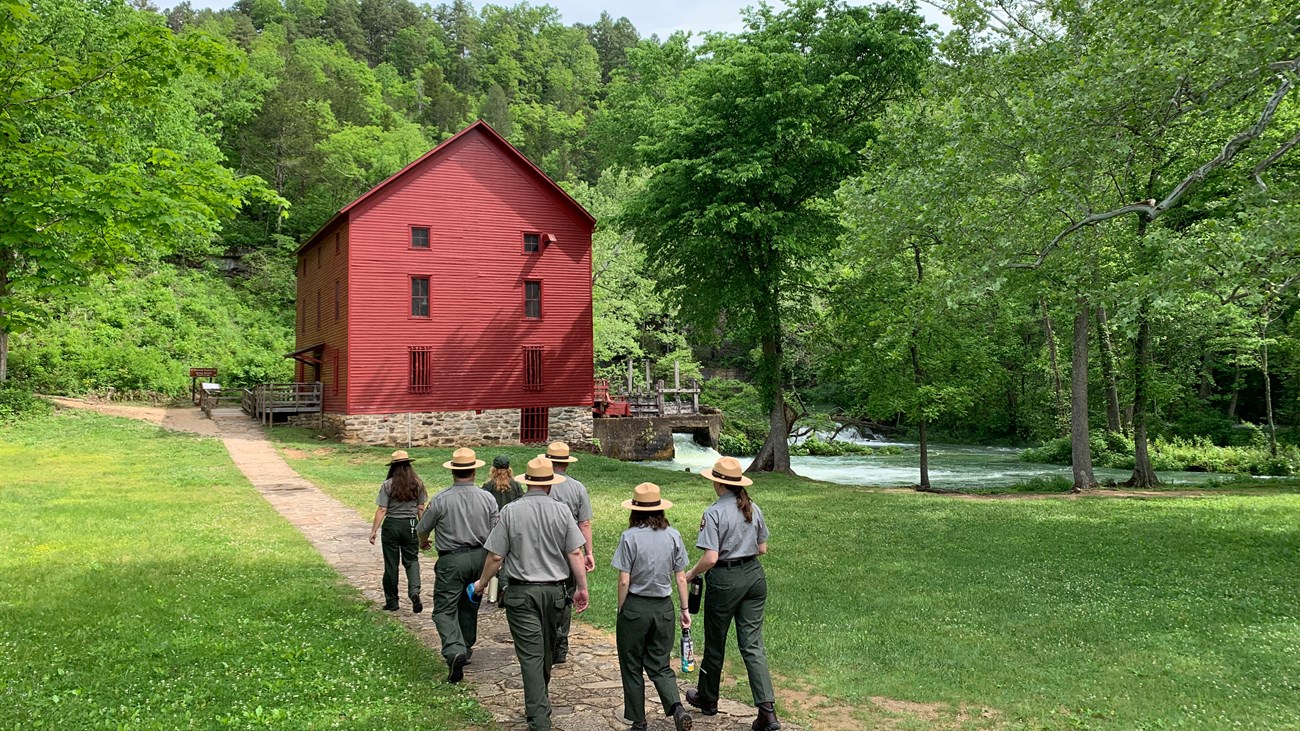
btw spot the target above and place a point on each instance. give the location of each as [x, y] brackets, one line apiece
[338, 299]
[419, 296]
[533, 300]
[421, 368]
[334, 372]
[533, 368]
[534, 426]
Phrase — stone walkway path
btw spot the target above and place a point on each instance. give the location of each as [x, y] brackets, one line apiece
[586, 693]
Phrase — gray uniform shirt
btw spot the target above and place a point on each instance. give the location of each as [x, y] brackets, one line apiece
[723, 529]
[399, 508]
[574, 496]
[535, 536]
[460, 516]
[650, 558]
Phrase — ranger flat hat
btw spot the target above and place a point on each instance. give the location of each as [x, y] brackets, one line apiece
[728, 472]
[400, 457]
[540, 472]
[645, 497]
[559, 452]
[464, 459]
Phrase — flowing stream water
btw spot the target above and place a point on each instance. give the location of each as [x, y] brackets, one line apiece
[952, 466]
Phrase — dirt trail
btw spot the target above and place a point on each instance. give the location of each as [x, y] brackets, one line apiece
[586, 692]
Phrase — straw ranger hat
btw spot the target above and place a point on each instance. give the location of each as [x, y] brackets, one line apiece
[559, 452]
[400, 457]
[645, 497]
[464, 459]
[540, 472]
[728, 472]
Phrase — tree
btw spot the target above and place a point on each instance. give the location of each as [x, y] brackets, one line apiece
[104, 158]
[751, 143]
[612, 38]
[1122, 111]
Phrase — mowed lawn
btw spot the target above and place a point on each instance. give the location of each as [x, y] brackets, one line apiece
[1097, 613]
[144, 584]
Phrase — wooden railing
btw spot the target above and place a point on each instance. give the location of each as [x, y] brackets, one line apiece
[657, 399]
[265, 401]
[210, 399]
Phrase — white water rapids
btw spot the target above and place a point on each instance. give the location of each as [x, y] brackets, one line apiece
[952, 466]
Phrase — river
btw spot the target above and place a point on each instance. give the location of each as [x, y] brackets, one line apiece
[952, 466]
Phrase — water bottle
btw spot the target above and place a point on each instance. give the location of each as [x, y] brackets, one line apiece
[688, 652]
[696, 592]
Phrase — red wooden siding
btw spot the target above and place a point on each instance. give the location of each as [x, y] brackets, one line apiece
[323, 291]
[478, 200]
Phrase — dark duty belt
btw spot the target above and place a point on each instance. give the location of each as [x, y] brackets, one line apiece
[521, 582]
[734, 562]
[454, 551]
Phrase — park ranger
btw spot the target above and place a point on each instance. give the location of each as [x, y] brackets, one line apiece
[538, 546]
[461, 517]
[573, 495]
[733, 536]
[650, 560]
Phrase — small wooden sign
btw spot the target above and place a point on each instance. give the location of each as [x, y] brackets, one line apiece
[203, 373]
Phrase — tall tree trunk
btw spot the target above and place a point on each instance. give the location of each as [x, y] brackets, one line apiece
[775, 454]
[1108, 372]
[1268, 384]
[4, 321]
[1080, 445]
[1236, 388]
[919, 376]
[1203, 393]
[1056, 366]
[1143, 474]
[925, 457]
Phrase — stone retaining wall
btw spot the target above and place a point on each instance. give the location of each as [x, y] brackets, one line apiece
[572, 424]
[651, 437]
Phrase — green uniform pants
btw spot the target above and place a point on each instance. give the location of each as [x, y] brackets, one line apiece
[735, 593]
[401, 546]
[455, 616]
[533, 613]
[645, 630]
[566, 619]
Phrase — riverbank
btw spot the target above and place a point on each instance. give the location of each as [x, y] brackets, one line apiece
[975, 469]
[975, 613]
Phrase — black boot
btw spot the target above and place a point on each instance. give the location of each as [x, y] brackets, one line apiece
[708, 709]
[766, 720]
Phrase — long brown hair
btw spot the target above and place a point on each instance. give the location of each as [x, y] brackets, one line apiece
[652, 519]
[403, 484]
[502, 477]
[742, 501]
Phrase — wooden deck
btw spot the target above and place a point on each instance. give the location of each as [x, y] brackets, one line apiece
[264, 402]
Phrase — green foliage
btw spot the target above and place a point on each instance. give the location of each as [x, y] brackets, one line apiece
[1176, 454]
[816, 447]
[752, 139]
[18, 403]
[107, 157]
[744, 423]
[146, 332]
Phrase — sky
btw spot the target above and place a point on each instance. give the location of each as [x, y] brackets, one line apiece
[661, 17]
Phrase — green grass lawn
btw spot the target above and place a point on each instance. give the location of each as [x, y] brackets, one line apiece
[1098, 613]
[144, 584]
